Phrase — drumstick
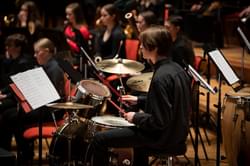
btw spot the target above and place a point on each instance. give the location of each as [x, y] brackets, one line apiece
[116, 106]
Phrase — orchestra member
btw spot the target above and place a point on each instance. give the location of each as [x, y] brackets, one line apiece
[29, 17]
[76, 31]
[108, 39]
[145, 19]
[16, 60]
[163, 125]
[182, 50]
[15, 121]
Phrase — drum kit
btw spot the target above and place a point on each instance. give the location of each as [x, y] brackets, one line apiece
[70, 142]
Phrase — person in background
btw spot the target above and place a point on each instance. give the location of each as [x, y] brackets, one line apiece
[15, 121]
[76, 30]
[16, 60]
[29, 17]
[182, 50]
[163, 125]
[110, 39]
[145, 20]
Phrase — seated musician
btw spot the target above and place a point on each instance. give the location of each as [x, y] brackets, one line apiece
[15, 122]
[163, 125]
[108, 40]
[16, 60]
[76, 30]
[182, 50]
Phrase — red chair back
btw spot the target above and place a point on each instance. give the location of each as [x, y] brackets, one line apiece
[131, 48]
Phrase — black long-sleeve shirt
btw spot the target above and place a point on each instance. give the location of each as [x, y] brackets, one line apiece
[167, 106]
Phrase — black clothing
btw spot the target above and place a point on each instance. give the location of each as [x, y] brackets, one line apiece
[15, 121]
[182, 51]
[56, 75]
[13, 66]
[109, 48]
[8, 68]
[164, 123]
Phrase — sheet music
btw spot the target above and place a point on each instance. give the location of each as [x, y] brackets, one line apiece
[243, 36]
[197, 77]
[224, 67]
[36, 87]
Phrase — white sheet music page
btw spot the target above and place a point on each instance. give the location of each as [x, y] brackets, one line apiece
[36, 87]
[224, 67]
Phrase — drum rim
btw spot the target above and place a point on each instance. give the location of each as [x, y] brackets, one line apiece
[96, 119]
[106, 89]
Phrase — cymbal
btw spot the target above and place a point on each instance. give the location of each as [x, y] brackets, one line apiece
[120, 66]
[141, 82]
[69, 105]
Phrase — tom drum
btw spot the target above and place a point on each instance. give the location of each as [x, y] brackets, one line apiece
[92, 92]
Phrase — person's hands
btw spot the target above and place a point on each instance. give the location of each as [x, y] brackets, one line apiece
[2, 96]
[132, 100]
[245, 12]
[129, 116]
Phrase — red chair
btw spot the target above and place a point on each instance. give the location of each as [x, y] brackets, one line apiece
[49, 128]
[131, 49]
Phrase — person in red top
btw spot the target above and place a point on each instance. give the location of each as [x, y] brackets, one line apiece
[76, 30]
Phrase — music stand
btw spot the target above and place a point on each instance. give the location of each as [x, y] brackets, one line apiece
[201, 82]
[38, 91]
[247, 45]
[232, 79]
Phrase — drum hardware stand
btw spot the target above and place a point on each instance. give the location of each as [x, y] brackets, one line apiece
[199, 81]
[100, 76]
[121, 88]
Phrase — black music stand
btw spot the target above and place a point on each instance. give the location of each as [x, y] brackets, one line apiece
[232, 79]
[201, 82]
[38, 90]
[245, 45]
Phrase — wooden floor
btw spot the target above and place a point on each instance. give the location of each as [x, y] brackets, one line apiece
[233, 54]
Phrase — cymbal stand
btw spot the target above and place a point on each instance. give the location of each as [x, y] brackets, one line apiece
[100, 75]
[72, 117]
[121, 88]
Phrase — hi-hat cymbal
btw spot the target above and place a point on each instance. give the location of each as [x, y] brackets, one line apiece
[120, 66]
[69, 105]
[141, 82]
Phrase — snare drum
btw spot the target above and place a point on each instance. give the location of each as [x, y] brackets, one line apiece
[93, 93]
[118, 156]
[236, 127]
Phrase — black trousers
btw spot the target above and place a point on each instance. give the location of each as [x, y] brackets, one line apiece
[120, 138]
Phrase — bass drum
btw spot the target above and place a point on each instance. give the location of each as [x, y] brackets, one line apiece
[236, 127]
[68, 145]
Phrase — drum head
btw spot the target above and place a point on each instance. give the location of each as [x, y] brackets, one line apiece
[111, 121]
[95, 87]
[237, 95]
